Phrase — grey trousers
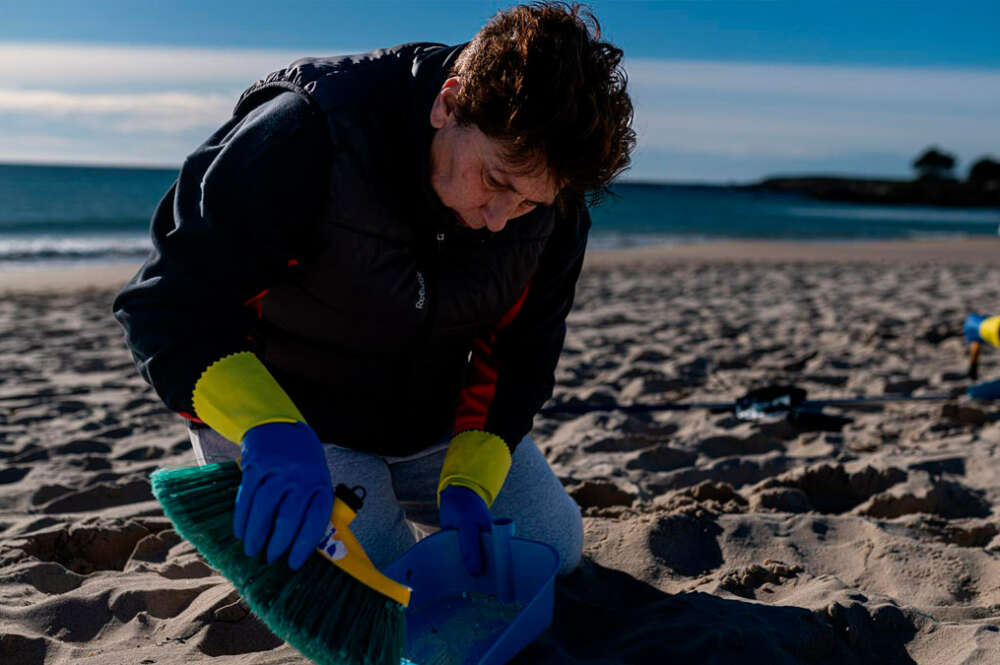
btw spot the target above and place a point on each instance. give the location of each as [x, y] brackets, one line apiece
[401, 502]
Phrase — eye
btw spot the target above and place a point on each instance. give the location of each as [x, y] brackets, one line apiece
[491, 182]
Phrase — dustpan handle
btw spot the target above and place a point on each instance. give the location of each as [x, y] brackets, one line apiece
[500, 535]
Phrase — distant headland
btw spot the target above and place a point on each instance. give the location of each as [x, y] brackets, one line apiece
[934, 184]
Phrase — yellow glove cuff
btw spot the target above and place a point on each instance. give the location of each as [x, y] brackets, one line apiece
[989, 330]
[478, 461]
[237, 392]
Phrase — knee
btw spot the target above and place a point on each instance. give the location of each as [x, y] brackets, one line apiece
[569, 544]
[541, 507]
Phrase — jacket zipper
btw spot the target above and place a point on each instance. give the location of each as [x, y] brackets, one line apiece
[441, 237]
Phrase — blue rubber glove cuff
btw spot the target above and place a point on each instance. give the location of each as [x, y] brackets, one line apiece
[972, 323]
[464, 510]
[285, 496]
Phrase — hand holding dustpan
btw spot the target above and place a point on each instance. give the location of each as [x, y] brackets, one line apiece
[464, 511]
[455, 618]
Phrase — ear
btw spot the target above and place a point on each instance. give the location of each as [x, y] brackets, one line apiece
[444, 103]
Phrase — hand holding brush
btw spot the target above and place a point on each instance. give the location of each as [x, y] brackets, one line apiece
[285, 492]
[329, 602]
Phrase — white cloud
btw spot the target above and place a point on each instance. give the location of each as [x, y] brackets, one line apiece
[163, 112]
[739, 110]
[766, 130]
[113, 103]
[88, 66]
[952, 87]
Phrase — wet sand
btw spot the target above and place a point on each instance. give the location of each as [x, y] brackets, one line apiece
[872, 539]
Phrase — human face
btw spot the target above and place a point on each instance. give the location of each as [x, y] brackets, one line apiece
[469, 175]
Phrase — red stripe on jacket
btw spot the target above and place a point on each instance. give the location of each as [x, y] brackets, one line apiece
[193, 419]
[256, 303]
[476, 397]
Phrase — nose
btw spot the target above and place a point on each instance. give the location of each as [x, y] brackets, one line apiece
[499, 210]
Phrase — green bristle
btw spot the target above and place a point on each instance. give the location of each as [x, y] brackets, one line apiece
[326, 614]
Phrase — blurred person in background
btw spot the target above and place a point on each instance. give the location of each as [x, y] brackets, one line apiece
[980, 329]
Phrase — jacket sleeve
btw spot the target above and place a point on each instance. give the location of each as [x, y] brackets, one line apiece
[512, 370]
[238, 214]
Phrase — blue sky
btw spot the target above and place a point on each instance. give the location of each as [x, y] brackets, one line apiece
[724, 91]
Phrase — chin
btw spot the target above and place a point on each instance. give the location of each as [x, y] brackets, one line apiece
[462, 221]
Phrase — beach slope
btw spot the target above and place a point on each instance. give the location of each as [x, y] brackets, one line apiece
[871, 537]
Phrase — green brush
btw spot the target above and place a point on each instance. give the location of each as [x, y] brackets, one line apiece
[344, 613]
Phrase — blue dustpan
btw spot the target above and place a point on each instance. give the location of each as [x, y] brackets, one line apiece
[457, 619]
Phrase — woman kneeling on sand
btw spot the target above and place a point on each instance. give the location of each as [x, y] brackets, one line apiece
[364, 276]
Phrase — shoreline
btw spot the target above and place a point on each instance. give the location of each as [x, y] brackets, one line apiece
[41, 278]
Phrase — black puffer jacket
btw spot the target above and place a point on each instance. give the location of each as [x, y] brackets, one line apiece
[305, 230]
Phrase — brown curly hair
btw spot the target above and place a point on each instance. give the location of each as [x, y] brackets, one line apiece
[539, 79]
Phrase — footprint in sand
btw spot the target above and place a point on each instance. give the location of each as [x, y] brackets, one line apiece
[140, 454]
[601, 494]
[167, 554]
[86, 547]
[13, 474]
[48, 577]
[825, 488]
[23, 650]
[82, 447]
[117, 433]
[47, 493]
[70, 406]
[103, 495]
[687, 545]
[90, 463]
[927, 494]
[724, 446]
[233, 632]
[617, 443]
[662, 458]
[29, 453]
[972, 533]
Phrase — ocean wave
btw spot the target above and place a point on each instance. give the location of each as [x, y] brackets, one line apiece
[50, 224]
[28, 249]
[910, 215]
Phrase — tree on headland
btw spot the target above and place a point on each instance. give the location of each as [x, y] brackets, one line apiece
[985, 174]
[935, 164]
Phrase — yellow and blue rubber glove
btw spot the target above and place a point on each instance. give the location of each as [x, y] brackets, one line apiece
[980, 328]
[474, 469]
[286, 495]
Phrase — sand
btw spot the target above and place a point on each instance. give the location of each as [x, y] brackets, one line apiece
[873, 539]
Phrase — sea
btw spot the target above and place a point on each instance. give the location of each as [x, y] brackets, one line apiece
[57, 215]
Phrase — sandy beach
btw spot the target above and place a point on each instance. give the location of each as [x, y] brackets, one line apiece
[872, 538]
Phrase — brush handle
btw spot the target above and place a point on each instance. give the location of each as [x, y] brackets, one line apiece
[343, 550]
